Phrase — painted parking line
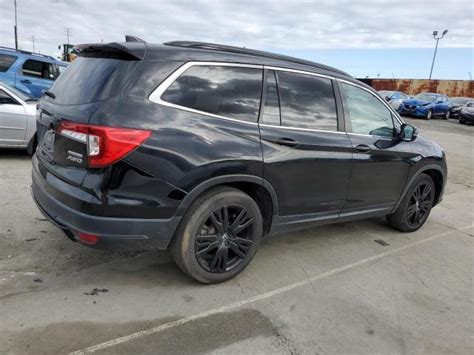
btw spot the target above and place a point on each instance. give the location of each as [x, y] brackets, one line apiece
[256, 298]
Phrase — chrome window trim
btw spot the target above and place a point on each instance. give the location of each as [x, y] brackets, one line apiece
[155, 96]
[303, 129]
[297, 71]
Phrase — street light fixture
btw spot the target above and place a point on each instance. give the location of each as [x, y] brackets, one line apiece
[435, 36]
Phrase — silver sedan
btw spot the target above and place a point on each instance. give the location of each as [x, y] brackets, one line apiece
[17, 119]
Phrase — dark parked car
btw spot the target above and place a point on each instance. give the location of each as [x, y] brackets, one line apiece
[456, 105]
[204, 149]
[427, 105]
[467, 113]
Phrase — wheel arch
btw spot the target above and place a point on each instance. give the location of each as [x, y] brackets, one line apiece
[439, 178]
[259, 189]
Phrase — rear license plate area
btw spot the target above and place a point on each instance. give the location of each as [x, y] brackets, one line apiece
[70, 152]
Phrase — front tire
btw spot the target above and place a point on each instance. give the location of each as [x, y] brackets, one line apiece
[429, 115]
[415, 207]
[447, 115]
[219, 235]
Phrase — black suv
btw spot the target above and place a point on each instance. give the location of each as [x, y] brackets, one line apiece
[204, 149]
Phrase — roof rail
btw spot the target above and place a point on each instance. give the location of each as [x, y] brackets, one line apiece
[254, 52]
[28, 52]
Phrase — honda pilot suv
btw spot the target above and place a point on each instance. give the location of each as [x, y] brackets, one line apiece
[203, 149]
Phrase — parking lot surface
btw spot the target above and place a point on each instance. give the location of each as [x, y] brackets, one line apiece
[332, 289]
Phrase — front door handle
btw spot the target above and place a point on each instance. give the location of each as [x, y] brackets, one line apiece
[363, 148]
[25, 81]
[286, 141]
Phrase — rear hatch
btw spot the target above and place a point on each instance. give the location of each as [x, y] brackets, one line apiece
[72, 118]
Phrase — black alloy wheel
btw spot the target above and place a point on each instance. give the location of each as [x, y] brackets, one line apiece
[416, 205]
[218, 236]
[420, 204]
[224, 239]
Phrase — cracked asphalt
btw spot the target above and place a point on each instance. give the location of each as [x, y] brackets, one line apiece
[332, 289]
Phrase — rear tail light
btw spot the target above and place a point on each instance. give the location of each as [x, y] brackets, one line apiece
[105, 145]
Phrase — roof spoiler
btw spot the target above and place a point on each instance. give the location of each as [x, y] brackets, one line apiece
[134, 48]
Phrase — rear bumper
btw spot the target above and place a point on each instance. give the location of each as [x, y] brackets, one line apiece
[115, 233]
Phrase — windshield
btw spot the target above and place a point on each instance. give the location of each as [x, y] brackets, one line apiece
[385, 93]
[425, 97]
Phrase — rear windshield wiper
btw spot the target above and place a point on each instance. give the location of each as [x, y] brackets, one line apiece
[50, 94]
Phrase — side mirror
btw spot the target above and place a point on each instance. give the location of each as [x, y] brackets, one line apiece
[408, 133]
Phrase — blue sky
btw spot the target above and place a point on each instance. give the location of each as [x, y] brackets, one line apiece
[362, 37]
[405, 63]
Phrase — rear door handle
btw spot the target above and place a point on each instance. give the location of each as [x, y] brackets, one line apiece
[25, 81]
[362, 148]
[286, 141]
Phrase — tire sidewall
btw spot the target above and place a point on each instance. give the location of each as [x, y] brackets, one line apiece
[429, 114]
[193, 222]
[418, 180]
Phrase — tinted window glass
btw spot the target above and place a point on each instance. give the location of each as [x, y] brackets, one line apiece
[6, 99]
[271, 109]
[367, 114]
[6, 61]
[91, 79]
[307, 101]
[232, 92]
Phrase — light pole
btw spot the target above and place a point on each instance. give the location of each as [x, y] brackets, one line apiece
[16, 32]
[435, 36]
[33, 38]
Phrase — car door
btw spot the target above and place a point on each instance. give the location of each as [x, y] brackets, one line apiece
[381, 160]
[35, 77]
[440, 106]
[307, 159]
[13, 121]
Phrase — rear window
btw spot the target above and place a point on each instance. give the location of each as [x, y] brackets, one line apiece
[307, 102]
[88, 80]
[6, 61]
[232, 92]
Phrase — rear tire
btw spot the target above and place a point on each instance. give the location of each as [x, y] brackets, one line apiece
[415, 207]
[218, 236]
[31, 149]
[447, 115]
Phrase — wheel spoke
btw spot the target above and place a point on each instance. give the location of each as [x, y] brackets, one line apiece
[216, 222]
[208, 248]
[219, 261]
[242, 242]
[207, 238]
[411, 210]
[242, 226]
[238, 219]
[425, 206]
[426, 192]
[235, 248]
[225, 218]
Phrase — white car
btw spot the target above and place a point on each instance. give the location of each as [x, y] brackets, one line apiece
[17, 119]
[394, 98]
